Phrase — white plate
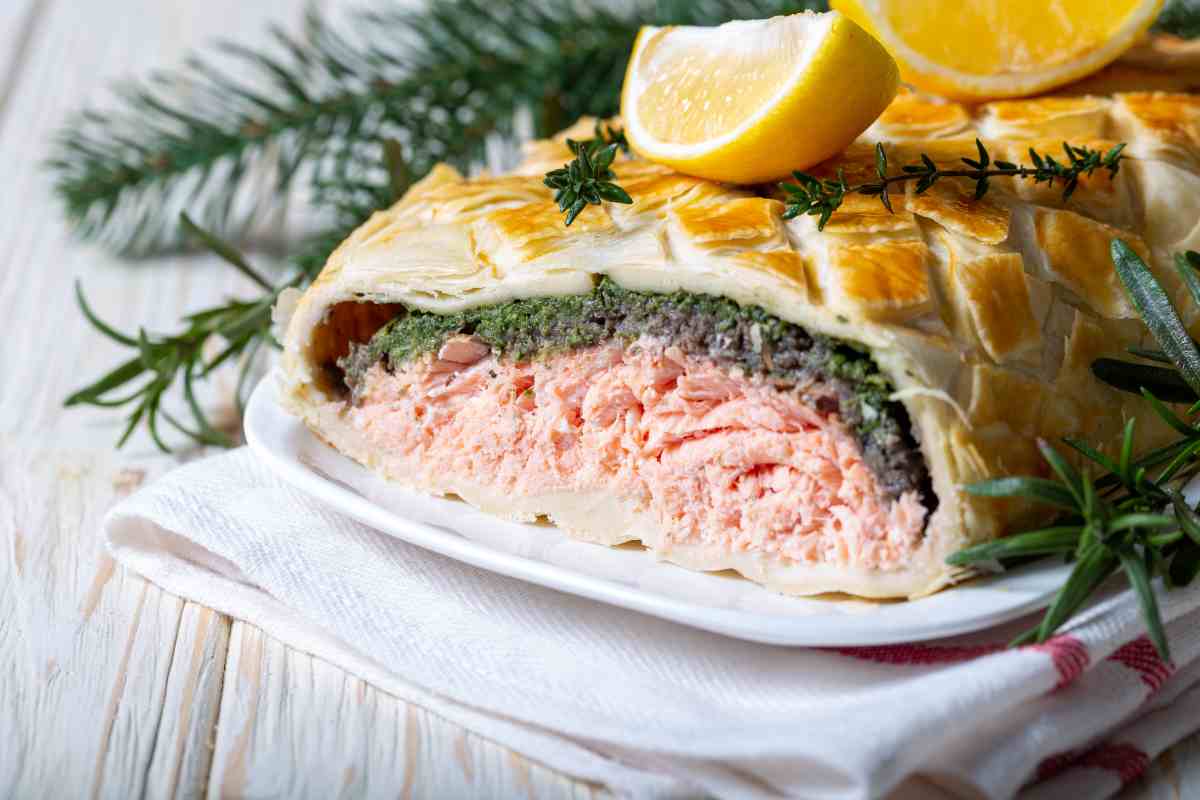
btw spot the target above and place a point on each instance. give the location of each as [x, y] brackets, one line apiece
[628, 577]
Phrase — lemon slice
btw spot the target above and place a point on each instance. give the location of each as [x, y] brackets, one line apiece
[749, 101]
[986, 49]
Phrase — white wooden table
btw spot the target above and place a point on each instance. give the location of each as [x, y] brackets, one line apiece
[110, 687]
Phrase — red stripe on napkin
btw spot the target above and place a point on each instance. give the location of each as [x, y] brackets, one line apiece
[1127, 761]
[1141, 657]
[1069, 655]
[919, 654]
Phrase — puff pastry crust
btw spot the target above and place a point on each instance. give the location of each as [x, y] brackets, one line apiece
[985, 314]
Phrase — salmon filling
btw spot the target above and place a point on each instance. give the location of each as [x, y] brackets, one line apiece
[717, 456]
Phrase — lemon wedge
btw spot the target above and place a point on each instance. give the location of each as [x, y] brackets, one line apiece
[749, 101]
[988, 49]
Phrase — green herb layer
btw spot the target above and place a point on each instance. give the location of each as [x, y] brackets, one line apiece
[746, 337]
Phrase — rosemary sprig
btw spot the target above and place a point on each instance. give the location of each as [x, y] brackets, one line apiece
[1131, 517]
[588, 179]
[821, 198]
[162, 361]
[241, 327]
[159, 361]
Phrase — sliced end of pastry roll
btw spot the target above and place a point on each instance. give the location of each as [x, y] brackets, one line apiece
[734, 390]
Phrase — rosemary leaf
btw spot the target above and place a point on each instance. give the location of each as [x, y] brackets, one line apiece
[1181, 459]
[1186, 265]
[1066, 473]
[1157, 312]
[92, 393]
[1129, 376]
[222, 249]
[1039, 489]
[1095, 455]
[1134, 521]
[1149, 355]
[206, 433]
[97, 323]
[1167, 415]
[1059, 539]
[1092, 569]
[399, 175]
[1125, 472]
[1189, 521]
[1185, 565]
[1139, 578]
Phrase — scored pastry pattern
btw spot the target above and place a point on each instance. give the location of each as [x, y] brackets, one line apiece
[986, 313]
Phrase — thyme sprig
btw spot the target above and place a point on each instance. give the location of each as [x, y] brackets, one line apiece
[1122, 514]
[588, 179]
[821, 198]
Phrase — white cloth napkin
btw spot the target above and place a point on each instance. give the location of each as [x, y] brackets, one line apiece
[651, 708]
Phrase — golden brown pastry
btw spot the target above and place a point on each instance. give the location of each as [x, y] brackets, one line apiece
[740, 391]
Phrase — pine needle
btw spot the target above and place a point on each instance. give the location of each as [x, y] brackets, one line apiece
[232, 133]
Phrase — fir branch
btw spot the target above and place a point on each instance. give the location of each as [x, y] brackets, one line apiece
[227, 138]
[234, 133]
[1126, 519]
[1180, 17]
[821, 198]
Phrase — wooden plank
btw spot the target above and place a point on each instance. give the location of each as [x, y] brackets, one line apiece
[85, 649]
[18, 21]
[1174, 775]
[293, 726]
[182, 757]
[107, 685]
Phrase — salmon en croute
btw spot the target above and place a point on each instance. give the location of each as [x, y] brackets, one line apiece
[739, 391]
